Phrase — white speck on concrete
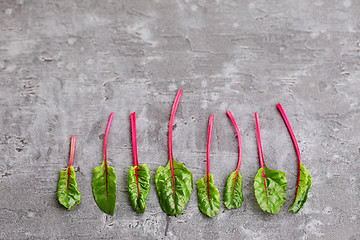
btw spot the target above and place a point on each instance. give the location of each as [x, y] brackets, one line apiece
[172, 87]
[30, 214]
[318, 3]
[83, 78]
[9, 11]
[252, 6]
[204, 104]
[71, 41]
[214, 96]
[194, 8]
[314, 34]
[203, 83]
[153, 58]
[347, 3]
[140, 30]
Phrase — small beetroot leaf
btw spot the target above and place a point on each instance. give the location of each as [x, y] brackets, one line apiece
[304, 178]
[208, 194]
[270, 185]
[68, 193]
[139, 176]
[174, 182]
[104, 181]
[233, 197]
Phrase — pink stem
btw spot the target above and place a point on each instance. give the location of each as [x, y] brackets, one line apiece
[261, 157]
[72, 151]
[290, 131]
[211, 121]
[172, 117]
[133, 134]
[134, 144]
[238, 137]
[106, 135]
[294, 141]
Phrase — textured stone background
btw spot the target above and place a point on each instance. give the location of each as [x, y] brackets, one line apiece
[65, 65]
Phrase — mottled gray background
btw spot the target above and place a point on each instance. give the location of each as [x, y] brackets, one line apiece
[66, 65]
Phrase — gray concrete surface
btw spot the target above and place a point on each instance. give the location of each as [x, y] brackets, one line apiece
[65, 65]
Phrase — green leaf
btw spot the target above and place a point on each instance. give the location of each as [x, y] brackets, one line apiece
[173, 195]
[233, 197]
[209, 202]
[273, 196]
[104, 188]
[302, 190]
[139, 186]
[68, 193]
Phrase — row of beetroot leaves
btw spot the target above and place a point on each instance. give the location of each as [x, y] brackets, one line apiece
[174, 182]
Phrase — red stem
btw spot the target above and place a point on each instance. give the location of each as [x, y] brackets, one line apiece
[238, 137]
[133, 134]
[261, 157]
[172, 117]
[211, 121]
[134, 144]
[105, 158]
[290, 131]
[294, 141]
[240, 149]
[106, 135]
[72, 151]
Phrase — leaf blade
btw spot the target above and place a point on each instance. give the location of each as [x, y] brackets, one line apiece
[272, 197]
[302, 190]
[139, 186]
[173, 202]
[233, 196]
[209, 202]
[104, 188]
[68, 194]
